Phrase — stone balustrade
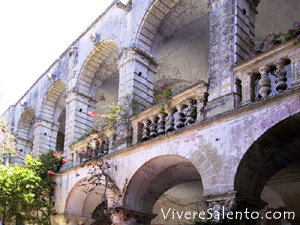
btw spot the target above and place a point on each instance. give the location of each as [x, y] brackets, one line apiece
[184, 109]
[90, 148]
[268, 74]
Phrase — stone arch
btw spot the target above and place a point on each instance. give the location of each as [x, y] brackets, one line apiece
[48, 124]
[149, 182]
[82, 203]
[151, 21]
[93, 62]
[25, 123]
[273, 151]
[25, 134]
[176, 33]
[53, 94]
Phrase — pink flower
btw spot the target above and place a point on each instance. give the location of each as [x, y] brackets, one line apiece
[164, 85]
[92, 114]
[292, 28]
[50, 172]
[298, 37]
[64, 160]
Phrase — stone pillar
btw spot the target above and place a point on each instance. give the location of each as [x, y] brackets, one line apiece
[137, 71]
[78, 122]
[230, 204]
[24, 146]
[230, 21]
[130, 217]
[45, 134]
[246, 88]
[137, 75]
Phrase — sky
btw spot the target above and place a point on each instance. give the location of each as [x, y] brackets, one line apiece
[33, 35]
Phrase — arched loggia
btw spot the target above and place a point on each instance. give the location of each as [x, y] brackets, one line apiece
[176, 33]
[275, 153]
[164, 182]
[50, 125]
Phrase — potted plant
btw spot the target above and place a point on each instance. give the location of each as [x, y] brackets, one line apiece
[253, 47]
[272, 40]
[293, 32]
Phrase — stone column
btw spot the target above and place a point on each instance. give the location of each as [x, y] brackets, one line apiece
[230, 204]
[45, 134]
[246, 88]
[137, 71]
[24, 146]
[137, 75]
[78, 122]
[230, 21]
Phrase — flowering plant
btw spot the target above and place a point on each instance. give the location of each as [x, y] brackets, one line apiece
[277, 38]
[293, 32]
[249, 40]
[164, 98]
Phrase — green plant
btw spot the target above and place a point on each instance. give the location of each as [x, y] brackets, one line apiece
[164, 98]
[27, 193]
[293, 32]
[249, 40]
[7, 142]
[273, 37]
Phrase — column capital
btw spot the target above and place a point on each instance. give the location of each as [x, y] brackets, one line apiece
[75, 91]
[127, 53]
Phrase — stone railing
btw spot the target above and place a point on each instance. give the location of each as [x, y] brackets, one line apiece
[92, 147]
[268, 74]
[184, 109]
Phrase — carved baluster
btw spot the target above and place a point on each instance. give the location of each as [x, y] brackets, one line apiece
[145, 130]
[180, 117]
[153, 127]
[191, 112]
[264, 82]
[161, 123]
[280, 74]
[170, 120]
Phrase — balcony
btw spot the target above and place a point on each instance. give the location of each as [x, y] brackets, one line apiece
[184, 109]
[268, 74]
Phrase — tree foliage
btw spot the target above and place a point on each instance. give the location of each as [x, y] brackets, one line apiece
[7, 142]
[28, 192]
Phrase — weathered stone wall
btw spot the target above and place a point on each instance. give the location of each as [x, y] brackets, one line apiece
[134, 52]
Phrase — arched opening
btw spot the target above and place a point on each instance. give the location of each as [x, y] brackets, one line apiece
[100, 76]
[54, 114]
[90, 204]
[165, 183]
[100, 216]
[269, 172]
[177, 35]
[25, 134]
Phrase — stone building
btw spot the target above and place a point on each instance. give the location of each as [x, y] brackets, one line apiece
[229, 135]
